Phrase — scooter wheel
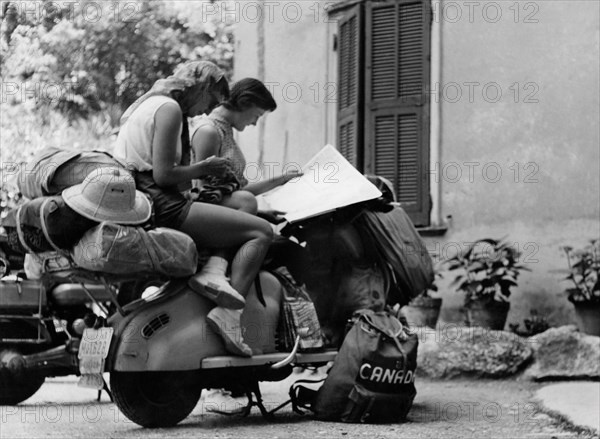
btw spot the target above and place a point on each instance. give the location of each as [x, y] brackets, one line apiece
[156, 399]
[16, 382]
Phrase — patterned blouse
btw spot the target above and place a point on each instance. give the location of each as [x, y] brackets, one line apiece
[229, 148]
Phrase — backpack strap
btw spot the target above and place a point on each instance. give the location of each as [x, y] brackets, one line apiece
[21, 234]
[303, 397]
[45, 228]
[291, 290]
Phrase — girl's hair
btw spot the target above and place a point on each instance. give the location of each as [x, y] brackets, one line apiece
[187, 77]
[250, 92]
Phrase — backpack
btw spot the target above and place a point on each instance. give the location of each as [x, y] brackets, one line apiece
[54, 169]
[372, 377]
[398, 243]
[44, 224]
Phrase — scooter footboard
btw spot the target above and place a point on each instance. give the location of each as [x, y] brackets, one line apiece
[173, 334]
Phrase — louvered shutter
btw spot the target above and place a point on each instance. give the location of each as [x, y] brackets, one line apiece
[350, 118]
[397, 106]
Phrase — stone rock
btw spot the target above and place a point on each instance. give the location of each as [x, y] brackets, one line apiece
[454, 351]
[564, 352]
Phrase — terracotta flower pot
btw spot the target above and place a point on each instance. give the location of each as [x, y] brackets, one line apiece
[423, 311]
[588, 317]
[489, 314]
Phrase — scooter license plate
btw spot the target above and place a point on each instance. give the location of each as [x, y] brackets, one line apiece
[93, 350]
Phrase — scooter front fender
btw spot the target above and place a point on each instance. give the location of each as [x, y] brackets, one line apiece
[171, 333]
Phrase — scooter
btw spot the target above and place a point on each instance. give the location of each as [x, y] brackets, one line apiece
[158, 348]
[161, 353]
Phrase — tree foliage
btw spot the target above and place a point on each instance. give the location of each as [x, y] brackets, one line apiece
[88, 56]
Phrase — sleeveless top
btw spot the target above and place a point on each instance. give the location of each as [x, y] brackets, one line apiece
[228, 148]
[134, 143]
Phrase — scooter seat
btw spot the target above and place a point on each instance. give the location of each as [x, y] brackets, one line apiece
[71, 294]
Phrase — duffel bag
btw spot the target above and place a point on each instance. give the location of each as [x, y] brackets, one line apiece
[398, 243]
[117, 249]
[54, 169]
[44, 224]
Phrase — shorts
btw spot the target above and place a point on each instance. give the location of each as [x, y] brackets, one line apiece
[171, 208]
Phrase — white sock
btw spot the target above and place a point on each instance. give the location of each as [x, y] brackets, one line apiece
[216, 265]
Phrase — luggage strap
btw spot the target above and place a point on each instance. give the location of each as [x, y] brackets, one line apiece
[21, 235]
[301, 397]
[45, 229]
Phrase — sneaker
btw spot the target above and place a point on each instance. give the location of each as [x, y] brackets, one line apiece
[217, 289]
[226, 323]
[224, 402]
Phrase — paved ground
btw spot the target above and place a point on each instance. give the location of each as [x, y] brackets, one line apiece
[442, 409]
[577, 402]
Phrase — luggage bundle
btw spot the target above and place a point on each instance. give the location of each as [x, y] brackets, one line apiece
[117, 249]
[44, 224]
[54, 169]
[84, 205]
[406, 257]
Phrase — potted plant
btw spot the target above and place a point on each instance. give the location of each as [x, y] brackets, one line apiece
[584, 275]
[486, 272]
[535, 324]
[424, 309]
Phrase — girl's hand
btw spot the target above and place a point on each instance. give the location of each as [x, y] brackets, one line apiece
[217, 166]
[290, 175]
[273, 216]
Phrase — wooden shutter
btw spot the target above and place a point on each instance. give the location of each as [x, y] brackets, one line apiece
[397, 104]
[350, 115]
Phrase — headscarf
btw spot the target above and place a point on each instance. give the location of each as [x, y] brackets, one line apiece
[187, 76]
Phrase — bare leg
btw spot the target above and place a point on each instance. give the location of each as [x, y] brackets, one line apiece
[241, 200]
[218, 227]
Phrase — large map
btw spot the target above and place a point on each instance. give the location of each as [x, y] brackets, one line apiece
[329, 182]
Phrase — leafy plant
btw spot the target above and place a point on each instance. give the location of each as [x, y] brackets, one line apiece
[536, 324]
[584, 272]
[487, 270]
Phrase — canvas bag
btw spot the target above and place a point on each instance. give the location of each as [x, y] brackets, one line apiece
[118, 249]
[298, 314]
[401, 247]
[54, 169]
[44, 224]
[372, 378]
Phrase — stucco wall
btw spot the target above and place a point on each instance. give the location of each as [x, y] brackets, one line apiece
[524, 165]
[540, 144]
[530, 162]
[297, 67]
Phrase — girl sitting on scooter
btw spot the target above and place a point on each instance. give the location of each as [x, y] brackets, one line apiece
[154, 141]
[248, 101]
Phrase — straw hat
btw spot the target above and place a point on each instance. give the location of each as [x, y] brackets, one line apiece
[108, 194]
